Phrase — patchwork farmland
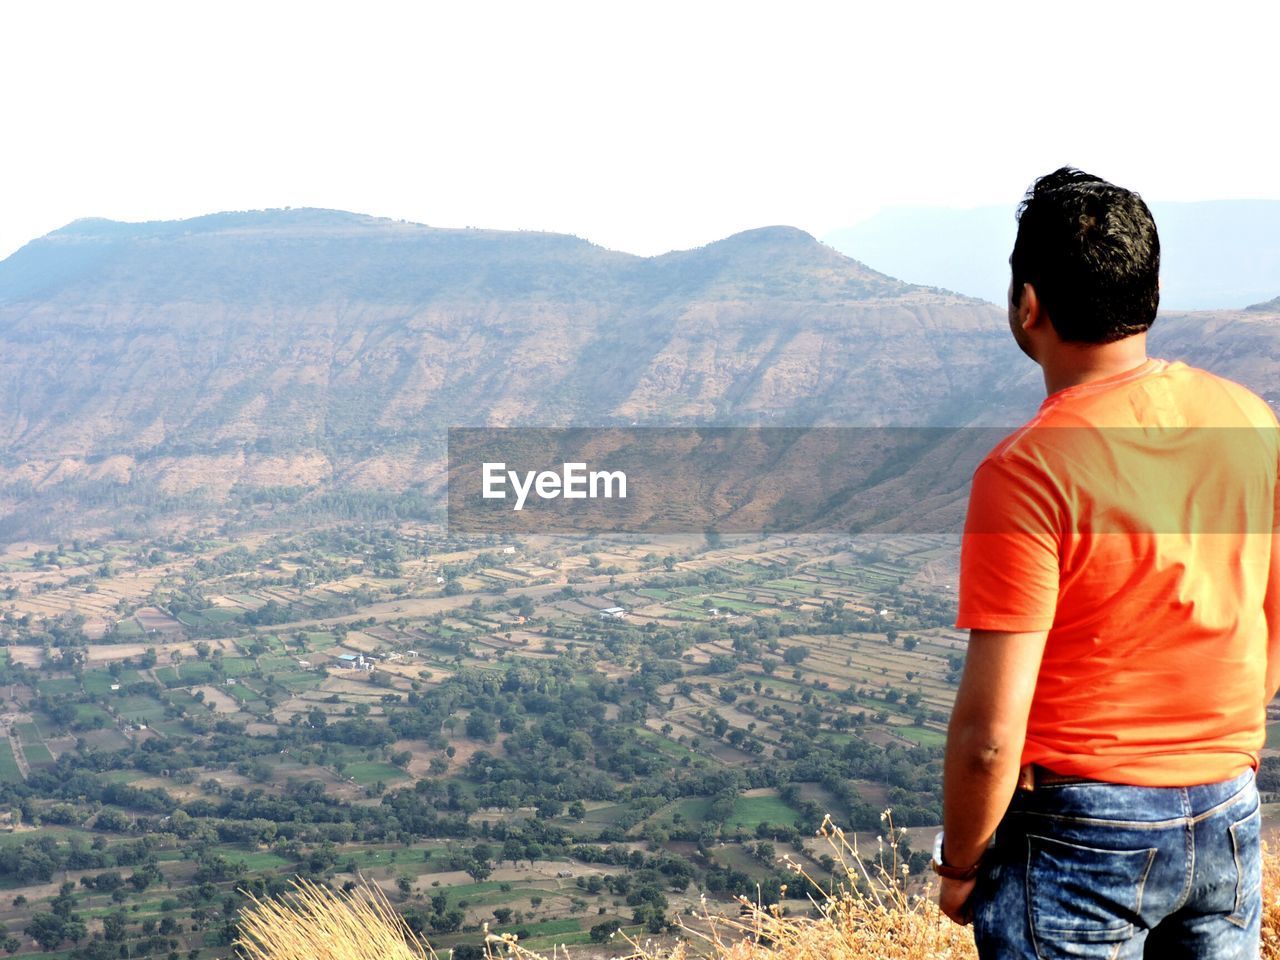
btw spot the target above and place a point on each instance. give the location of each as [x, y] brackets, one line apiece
[552, 738]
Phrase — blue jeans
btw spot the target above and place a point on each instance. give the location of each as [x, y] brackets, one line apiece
[1104, 870]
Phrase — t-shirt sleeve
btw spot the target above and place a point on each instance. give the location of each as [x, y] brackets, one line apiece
[1009, 554]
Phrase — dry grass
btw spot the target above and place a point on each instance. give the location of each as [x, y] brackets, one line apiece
[868, 915]
[1270, 904]
[316, 923]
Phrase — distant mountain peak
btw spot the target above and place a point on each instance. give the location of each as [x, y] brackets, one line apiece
[321, 222]
[1269, 306]
[784, 253]
[775, 234]
[282, 219]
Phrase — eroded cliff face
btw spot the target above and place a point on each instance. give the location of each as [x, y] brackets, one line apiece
[318, 350]
[151, 367]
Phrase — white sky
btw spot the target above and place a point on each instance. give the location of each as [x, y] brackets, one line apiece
[641, 126]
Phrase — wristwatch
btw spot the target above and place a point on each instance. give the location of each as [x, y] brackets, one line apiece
[950, 873]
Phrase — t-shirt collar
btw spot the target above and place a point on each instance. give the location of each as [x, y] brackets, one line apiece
[1147, 367]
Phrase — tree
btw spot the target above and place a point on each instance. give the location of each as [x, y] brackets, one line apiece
[65, 901]
[448, 921]
[480, 726]
[46, 929]
[114, 926]
[795, 655]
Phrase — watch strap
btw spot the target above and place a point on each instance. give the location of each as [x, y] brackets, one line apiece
[942, 869]
[955, 873]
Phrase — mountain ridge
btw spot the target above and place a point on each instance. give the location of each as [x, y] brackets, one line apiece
[531, 260]
[325, 350]
[153, 369]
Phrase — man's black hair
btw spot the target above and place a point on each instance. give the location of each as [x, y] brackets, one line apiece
[1091, 251]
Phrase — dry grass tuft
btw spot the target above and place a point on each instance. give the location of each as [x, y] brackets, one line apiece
[1270, 904]
[868, 914]
[316, 923]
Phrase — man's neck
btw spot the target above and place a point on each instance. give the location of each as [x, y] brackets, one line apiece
[1071, 364]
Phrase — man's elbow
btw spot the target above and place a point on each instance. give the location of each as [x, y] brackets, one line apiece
[985, 749]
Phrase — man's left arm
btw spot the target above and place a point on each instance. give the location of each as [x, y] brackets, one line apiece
[984, 749]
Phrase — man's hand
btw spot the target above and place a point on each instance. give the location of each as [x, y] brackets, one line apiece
[955, 899]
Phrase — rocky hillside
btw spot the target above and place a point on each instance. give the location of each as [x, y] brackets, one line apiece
[179, 364]
[1241, 344]
[313, 356]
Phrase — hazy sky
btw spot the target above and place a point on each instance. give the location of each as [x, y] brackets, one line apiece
[641, 126]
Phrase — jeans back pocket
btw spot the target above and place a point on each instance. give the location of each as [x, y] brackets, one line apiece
[1080, 895]
[1247, 849]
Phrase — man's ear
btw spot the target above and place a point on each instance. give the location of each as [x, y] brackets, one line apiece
[1030, 312]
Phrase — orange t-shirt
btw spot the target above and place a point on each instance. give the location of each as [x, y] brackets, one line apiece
[1132, 519]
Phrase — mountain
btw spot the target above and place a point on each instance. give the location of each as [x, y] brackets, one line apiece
[1241, 344]
[178, 366]
[315, 358]
[1219, 254]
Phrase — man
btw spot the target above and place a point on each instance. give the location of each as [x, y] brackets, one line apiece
[1121, 583]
